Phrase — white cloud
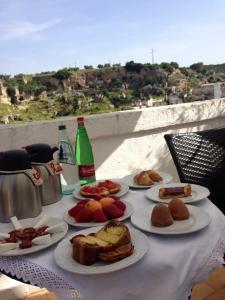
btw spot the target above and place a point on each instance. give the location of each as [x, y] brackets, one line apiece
[17, 30]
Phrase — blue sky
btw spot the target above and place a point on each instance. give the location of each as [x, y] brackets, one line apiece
[45, 35]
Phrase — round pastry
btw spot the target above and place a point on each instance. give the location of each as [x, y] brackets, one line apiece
[92, 191]
[143, 179]
[112, 187]
[178, 209]
[154, 175]
[161, 216]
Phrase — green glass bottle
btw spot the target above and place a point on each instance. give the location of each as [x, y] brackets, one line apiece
[84, 155]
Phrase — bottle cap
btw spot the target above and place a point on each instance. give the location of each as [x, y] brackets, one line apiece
[80, 120]
[61, 127]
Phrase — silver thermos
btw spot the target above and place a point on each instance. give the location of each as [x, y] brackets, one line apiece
[19, 186]
[41, 156]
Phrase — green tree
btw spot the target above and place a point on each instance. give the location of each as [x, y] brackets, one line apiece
[193, 82]
[167, 67]
[198, 67]
[100, 66]
[184, 71]
[131, 66]
[117, 65]
[174, 65]
[75, 103]
[87, 67]
[62, 74]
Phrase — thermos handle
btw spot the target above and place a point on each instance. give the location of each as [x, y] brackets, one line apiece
[35, 176]
[53, 167]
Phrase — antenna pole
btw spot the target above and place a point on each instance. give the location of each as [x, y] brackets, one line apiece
[152, 56]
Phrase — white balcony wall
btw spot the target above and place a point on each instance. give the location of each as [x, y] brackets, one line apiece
[124, 142]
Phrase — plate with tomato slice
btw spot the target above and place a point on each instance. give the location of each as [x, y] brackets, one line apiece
[101, 188]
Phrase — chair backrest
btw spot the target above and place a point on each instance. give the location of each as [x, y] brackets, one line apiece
[199, 158]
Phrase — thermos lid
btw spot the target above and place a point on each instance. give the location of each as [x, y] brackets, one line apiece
[14, 160]
[62, 127]
[40, 153]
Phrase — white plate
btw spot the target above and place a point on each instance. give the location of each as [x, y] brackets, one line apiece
[129, 180]
[29, 223]
[124, 189]
[128, 212]
[63, 255]
[198, 219]
[198, 193]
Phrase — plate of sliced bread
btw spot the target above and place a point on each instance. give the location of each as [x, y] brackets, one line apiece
[101, 250]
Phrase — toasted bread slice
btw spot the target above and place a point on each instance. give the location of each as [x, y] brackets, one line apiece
[92, 191]
[111, 186]
[117, 254]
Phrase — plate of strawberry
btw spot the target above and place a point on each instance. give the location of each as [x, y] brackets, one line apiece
[95, 212]
[101, 188]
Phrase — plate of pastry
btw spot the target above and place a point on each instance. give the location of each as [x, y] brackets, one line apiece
[146, 179]
[90, 213]
[31, 235]
[189, 193]
[176, 218]
[101, 250]
[100, 188]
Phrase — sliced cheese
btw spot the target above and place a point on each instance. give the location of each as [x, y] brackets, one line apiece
[16, 223]
[41, 222]
[56, 228]
[7, 246]
[4, 235]
[42, 240]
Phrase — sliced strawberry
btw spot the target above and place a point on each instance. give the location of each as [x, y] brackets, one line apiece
[97, 197]
[99, 216]
[84, 215]
[114, 197]
[74, 210]
[112, 211]
[120, 205]
[84, 202]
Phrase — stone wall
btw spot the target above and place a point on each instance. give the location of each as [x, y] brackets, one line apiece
[124, 142]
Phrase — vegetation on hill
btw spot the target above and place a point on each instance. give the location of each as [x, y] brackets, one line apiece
[74, 91]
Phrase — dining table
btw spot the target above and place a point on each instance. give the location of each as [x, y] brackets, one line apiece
[170, 267]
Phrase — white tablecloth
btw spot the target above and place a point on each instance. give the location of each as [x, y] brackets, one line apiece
[167, 272]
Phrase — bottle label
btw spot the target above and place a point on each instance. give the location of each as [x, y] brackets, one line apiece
[86, 171]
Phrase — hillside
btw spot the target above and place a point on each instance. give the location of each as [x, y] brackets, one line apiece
[71, 91]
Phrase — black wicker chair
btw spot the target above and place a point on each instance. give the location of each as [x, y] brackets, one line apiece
[199, 158]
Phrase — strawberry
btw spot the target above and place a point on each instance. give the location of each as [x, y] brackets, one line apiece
[84, 202]
[120, 205]
[74, 210]
[114, 197]
[97, 197]
[99, 216]
[113, 212]
[84, 215]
